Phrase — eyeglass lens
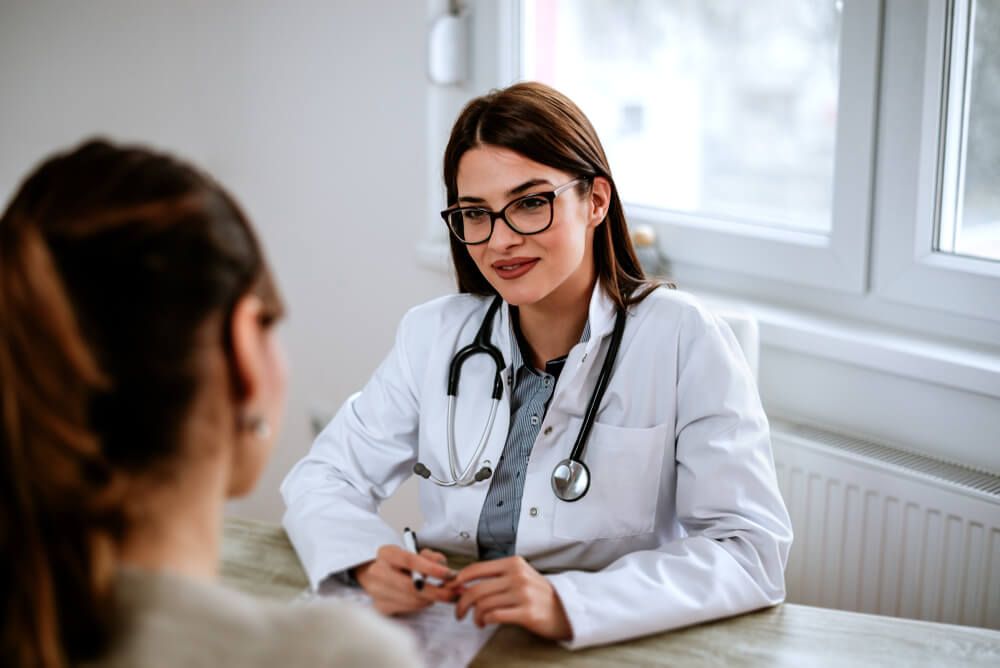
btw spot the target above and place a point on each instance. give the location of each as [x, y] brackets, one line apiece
[526, 215]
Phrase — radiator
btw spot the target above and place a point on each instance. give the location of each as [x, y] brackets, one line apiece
[886, 531]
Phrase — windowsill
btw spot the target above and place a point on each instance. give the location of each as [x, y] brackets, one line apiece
[870, 347]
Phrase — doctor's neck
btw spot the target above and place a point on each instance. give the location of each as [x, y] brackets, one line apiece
[552, 326]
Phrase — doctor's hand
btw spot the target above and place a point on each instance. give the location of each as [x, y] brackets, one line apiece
[388, 581]
[510, 591]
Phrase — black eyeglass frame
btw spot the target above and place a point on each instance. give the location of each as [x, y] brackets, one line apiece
[549, 195]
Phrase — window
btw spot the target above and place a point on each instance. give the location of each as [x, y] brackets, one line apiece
[722, 110]
[846, 145]
[969, 221]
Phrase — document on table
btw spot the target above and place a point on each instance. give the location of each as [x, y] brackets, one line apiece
[442, 639]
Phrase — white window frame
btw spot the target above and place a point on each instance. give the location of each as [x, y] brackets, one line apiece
[907, 268]
[838, 260]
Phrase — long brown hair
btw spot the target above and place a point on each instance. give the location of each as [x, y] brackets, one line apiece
[544, 125]
[111, 259]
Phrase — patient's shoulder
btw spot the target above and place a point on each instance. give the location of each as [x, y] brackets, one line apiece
[166, 620]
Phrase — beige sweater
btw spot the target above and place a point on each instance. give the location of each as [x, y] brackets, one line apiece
[167, 620]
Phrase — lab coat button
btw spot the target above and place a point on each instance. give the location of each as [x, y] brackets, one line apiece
[584, 359]
[464, 535]
[533, 512]
[548, 430]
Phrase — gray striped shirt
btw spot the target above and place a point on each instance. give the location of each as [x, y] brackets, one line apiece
[529, 399]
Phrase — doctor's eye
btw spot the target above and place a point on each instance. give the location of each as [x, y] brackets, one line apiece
[474, 215]
[531, 204]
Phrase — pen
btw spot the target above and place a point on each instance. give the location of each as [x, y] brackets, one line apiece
[410, 539]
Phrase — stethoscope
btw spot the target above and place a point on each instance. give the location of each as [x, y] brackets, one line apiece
[571, 477]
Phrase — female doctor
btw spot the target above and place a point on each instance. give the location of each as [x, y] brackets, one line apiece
[600, 454]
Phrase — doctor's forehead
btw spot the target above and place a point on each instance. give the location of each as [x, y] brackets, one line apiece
[491, 172]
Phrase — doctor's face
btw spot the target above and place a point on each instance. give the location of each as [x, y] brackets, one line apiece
[551, 268]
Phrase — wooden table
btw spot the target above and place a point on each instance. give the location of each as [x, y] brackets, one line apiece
[257, 558]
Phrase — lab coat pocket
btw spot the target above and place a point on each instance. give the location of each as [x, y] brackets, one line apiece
[625, 467]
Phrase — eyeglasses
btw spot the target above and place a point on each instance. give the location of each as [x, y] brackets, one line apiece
[528, 214]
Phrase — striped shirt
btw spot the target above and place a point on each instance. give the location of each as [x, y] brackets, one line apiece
[529, 399]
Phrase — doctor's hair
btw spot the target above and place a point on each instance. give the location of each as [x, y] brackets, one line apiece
[113, 262]
[543, 125]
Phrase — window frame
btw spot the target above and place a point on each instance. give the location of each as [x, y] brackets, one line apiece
[907, 268]
[838, 260]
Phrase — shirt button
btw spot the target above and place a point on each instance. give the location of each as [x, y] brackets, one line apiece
[534, 420]
[546, 382]
[548, 430]
[464, 535]
[533, 511]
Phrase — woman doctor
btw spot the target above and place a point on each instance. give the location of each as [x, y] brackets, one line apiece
[621, 484]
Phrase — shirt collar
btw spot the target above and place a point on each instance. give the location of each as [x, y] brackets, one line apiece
[600, 322]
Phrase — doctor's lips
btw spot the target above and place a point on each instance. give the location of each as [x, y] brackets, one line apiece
[514, 267]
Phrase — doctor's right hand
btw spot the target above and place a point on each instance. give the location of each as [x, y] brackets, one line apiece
[388, 579]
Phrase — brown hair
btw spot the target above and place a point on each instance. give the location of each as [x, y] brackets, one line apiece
[544, 125]
[111, 258]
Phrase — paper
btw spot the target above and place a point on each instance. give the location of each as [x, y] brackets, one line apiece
[442, 640]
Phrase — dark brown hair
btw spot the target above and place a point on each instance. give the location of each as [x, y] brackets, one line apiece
[111, 260]
[544, 125]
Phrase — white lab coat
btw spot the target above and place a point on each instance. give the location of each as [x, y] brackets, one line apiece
[683, 521]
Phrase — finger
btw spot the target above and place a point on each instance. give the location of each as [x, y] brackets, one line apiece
[488, 604]
[506, 615]
[486, 569]
[434, 593]
[426, 566]
[434, 556]
[478, 591]
[387, 581]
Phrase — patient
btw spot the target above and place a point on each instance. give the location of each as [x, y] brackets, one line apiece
[141, 385]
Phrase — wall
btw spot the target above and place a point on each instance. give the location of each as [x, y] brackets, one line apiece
[312, 113]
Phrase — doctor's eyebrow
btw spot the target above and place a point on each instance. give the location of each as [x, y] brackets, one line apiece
[510, 193]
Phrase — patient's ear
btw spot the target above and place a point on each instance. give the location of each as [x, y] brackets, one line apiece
[258, 370]
[247, 334]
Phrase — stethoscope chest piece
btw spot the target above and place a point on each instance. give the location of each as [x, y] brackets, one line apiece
[570, 480]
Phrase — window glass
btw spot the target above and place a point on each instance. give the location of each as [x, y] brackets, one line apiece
[972, 226]
[721, 109]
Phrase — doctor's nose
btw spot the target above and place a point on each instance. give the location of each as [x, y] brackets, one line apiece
[504, 237]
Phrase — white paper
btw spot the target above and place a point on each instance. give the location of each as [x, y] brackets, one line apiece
[442, 640]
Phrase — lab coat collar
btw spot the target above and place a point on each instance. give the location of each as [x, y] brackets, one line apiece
[602, 315]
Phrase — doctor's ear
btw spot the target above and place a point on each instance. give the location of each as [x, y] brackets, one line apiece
[600, 200]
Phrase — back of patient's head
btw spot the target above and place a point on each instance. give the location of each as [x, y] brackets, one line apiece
[113, 261]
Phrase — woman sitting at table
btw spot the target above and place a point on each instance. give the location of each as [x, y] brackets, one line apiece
[141, 385]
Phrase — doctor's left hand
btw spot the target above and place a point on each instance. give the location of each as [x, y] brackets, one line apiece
[510, 591]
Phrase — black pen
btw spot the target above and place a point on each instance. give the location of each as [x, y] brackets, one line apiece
[410, 539]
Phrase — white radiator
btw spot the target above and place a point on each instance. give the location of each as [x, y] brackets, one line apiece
[886, 531]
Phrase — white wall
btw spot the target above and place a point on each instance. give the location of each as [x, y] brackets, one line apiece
[311, 113]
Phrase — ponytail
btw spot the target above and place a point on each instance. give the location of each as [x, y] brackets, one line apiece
[57, 559]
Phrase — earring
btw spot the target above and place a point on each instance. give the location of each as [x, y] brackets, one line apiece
[260, 427]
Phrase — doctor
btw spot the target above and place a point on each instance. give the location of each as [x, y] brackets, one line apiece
[609, 473]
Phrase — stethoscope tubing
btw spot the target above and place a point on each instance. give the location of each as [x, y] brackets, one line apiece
[576, 455]
[576, 485]
[462, 479]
